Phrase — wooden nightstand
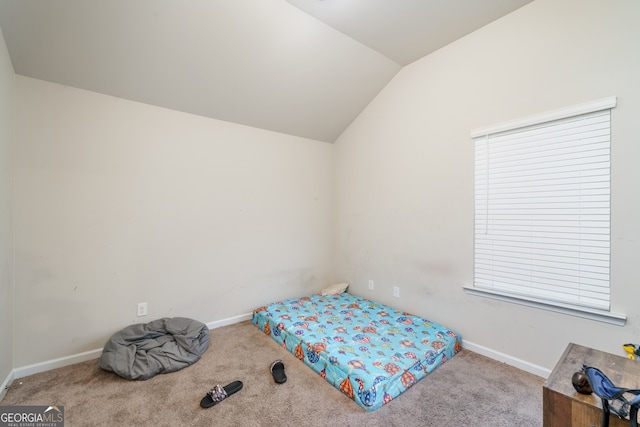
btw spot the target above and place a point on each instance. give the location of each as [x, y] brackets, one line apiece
[563, 406]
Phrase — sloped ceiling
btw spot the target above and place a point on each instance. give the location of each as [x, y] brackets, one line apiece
[300, 67]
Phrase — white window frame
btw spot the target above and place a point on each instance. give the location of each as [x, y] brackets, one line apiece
[589, 300]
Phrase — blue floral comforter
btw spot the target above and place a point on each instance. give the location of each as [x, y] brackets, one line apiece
[369, 351]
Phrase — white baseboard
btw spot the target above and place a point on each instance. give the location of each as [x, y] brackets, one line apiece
[48, 365]
[509, 360]
[5, 384]
[230, 320]
[92, 354]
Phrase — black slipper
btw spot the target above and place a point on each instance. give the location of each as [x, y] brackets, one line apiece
[277, 370]
[217, 394]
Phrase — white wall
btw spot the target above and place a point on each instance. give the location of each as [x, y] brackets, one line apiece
[119, 202]
[7, 126]
[404, 170]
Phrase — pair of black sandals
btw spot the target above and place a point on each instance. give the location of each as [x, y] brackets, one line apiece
[218, 393]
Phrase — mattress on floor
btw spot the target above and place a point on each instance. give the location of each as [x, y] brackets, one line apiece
[369, 351]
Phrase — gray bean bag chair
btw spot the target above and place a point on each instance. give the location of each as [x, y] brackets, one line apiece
[140, 351]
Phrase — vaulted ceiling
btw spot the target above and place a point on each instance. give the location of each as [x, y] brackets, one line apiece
[300, 67]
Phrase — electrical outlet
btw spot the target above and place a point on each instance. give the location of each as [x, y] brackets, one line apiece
[396, 291]
[370, 285]
[142, 309]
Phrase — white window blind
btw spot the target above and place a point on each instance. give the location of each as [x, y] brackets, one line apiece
[542, 209]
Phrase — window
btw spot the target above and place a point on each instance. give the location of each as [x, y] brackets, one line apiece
[542, 208]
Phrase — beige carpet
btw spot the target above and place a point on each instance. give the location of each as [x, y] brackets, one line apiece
[468, 390]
